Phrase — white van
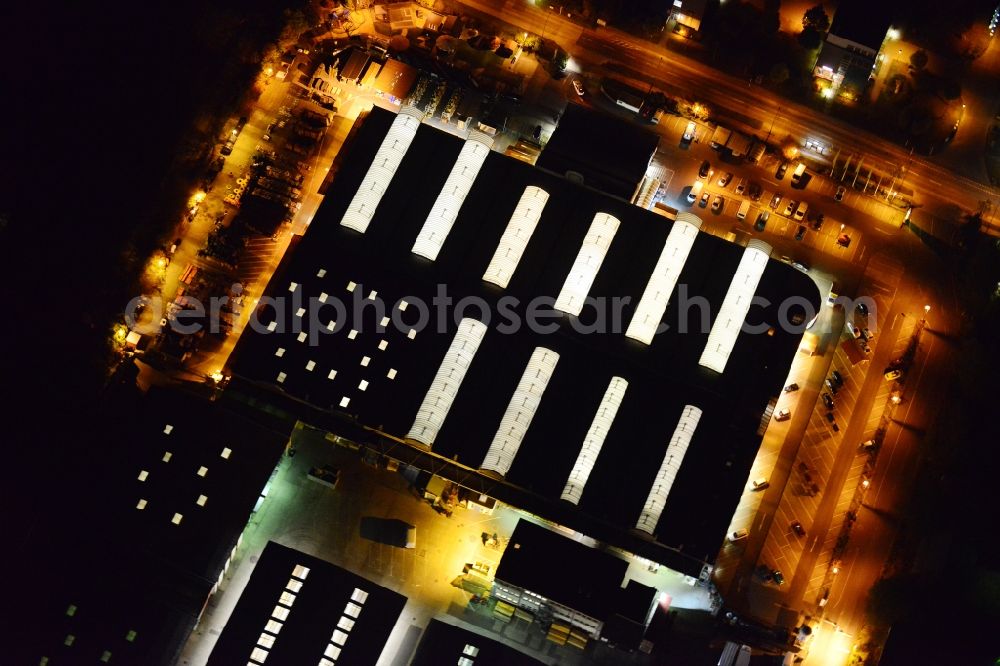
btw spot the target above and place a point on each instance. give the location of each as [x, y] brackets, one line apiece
[744, 209]
[800, 169]
[695, 191]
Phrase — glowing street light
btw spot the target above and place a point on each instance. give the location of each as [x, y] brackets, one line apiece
[927, 309]
[892, 34]
[865, 483]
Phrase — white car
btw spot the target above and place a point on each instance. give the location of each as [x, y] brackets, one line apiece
[739, 535]
[854, 330]
[782, 415]
[578, 87]
[761, 483]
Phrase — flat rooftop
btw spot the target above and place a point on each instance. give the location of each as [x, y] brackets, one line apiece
[379, 377]
[299, 609]
[443, 643]
[610, 153]
[176, 487]
[558, 568]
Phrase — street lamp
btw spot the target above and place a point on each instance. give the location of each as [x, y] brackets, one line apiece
[927, 309]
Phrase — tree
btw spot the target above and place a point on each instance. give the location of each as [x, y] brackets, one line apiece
[919, 59]
[778, 74]
[949, 89]
[816, 18]
[810, 39]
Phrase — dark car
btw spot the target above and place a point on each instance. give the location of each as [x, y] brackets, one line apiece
[829, 417]
[755, 191]
[777, 577]
[828, 401]
[837, 377]
[801, 233]
[839, 196]
[791, 387]
[817, 222]
[761, 220]
[798, 529]
[706, 168]
[780, 173]
[704, 199]
[863, 309]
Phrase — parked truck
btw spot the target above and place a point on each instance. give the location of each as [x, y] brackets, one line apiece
[719, 137]
[738, 144]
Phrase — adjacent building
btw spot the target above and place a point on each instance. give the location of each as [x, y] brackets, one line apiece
[850, 54]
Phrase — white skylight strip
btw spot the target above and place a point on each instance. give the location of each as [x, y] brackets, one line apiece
[449, 201]
[652, 305]
[441, 394]
[520, 411]
[394, 146]
[516, 236]
[588, 262]
[594, 440]
[678, 446]
[736, 304]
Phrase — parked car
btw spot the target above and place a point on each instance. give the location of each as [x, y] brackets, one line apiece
[867, 335]
[578, 87]
[868, 445]
[782, 415]
[790, 207]
[893, 375]
[755, 191]
[791, 387]
[761, 483]
[739, 535]
[839, 196]
[854, 330]
[725, 178]
[775, 200]
[689, 133]
[761, 220]
[704, 199]
[799, 266]
[706, 168]
[777, 577]
[717, 203]
[780, 173]
[862, 309]
[741, 186]
[828, 400]
[797, 528]
[817, 222]
[801, 233]
[837, 377]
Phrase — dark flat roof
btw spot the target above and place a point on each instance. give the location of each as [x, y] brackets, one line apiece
[200, 435]
[316, 610]
[558, 568]
[663, 377]
[862, 22]
[612, 154]
[443, 643]
[134, 570]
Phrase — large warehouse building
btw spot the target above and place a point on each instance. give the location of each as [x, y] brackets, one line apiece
[629, 410]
